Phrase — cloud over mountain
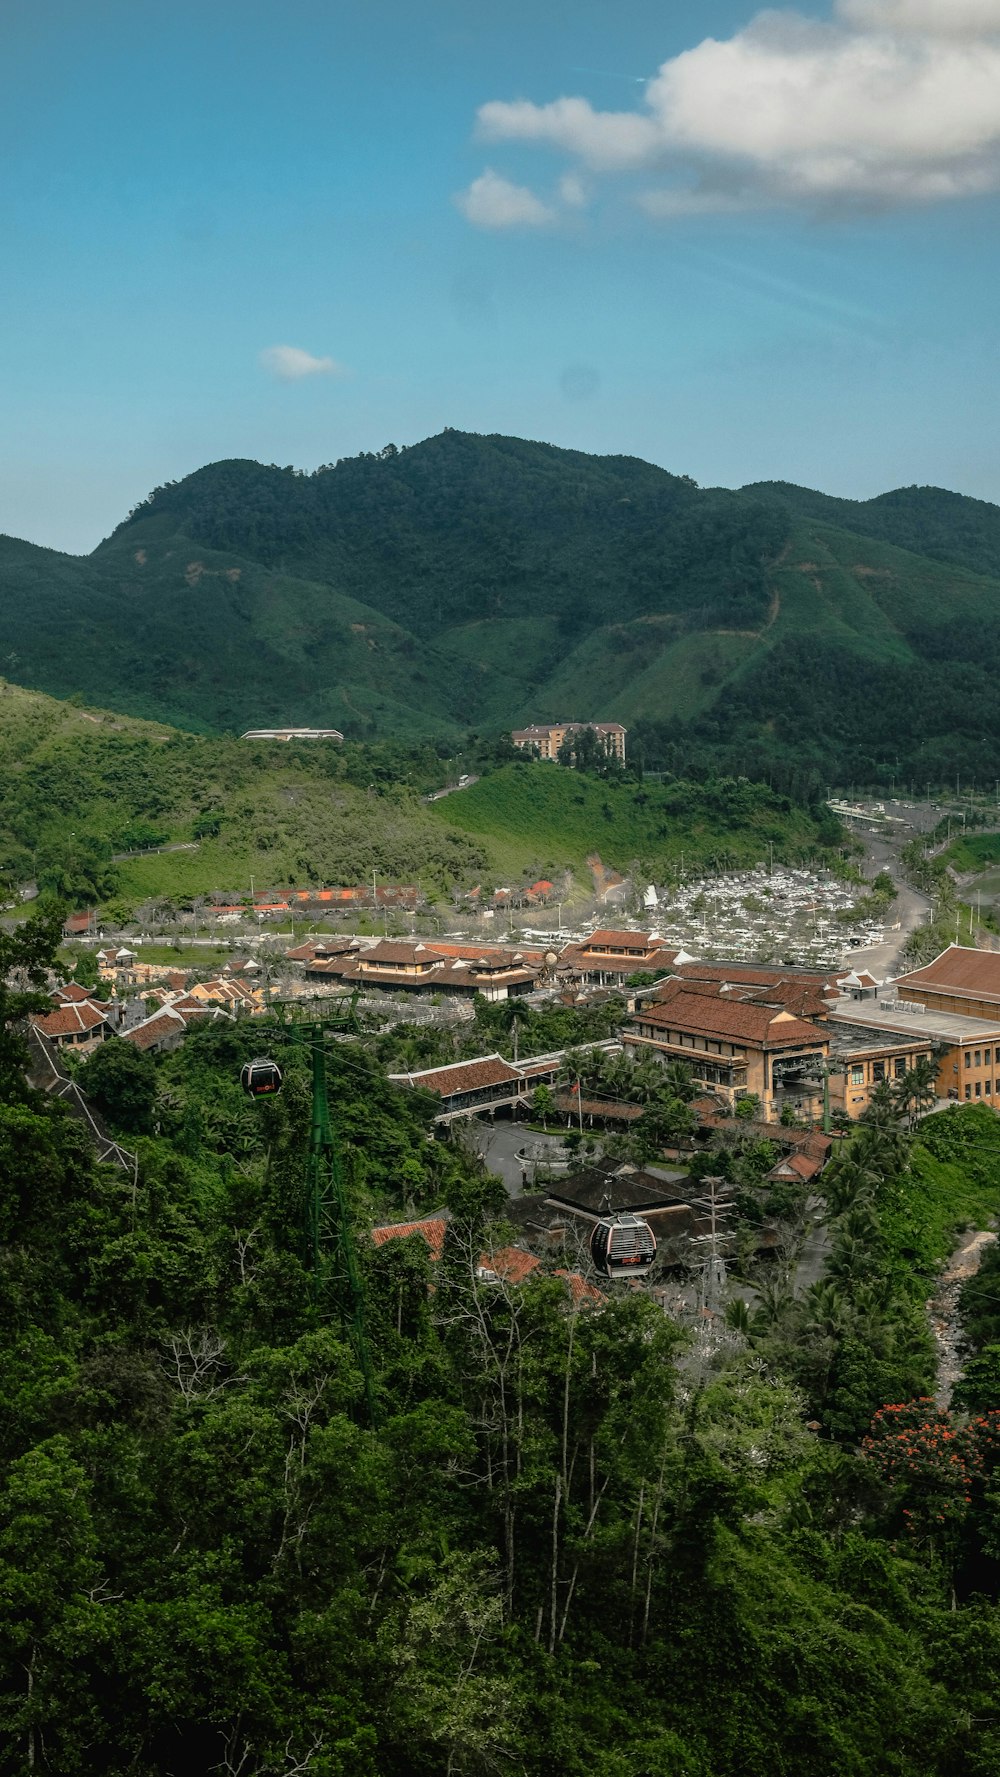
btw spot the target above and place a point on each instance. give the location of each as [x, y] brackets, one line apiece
[897, 102]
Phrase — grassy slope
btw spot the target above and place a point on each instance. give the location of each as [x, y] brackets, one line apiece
[541, 815]
[286, 817]
[69, 774]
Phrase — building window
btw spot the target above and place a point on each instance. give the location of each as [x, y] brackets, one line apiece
[968, 1092]
[979, 1059]
[878, 1070]
[900, 1066]
[968, 1057]
[979, 1089]
[986, 1057]
[857, 1076]
[988, 1089]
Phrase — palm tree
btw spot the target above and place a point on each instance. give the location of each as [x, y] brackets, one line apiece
[849, 1183]
[881, 1111]
[827, 1313]
[678, 1081]
[515, 1013]
[921, 1083]
[883, 1150]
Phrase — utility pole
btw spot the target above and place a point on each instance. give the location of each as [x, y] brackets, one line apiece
[712, 1283]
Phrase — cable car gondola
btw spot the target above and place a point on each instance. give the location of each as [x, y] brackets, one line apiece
[623, 1245]
[261, 1077]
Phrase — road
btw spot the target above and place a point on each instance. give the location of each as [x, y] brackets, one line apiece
[911, 908]
[450, 789]
[498, 1143]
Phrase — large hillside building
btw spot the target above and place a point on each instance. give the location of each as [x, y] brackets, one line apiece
[735, 1048]
[545, 738]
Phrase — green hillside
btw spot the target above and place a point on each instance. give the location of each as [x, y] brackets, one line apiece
[928, 520]
[545, 816]
[80, 787]
[477, 582]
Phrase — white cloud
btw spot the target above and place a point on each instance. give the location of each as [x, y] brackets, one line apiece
[290, 364]
[930, 18]
[493, 202]
[898, 102]
[573, 191]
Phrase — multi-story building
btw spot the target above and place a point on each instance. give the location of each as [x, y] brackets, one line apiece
[967, 1050]
[734, 1048]
[545, 738]
[860, 1061]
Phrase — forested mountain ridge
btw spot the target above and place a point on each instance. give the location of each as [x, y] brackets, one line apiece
[928, 520]
[475, 581]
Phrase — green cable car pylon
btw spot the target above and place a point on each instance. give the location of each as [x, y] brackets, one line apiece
[329, 1238]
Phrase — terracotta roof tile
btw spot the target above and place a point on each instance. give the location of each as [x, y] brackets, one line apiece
[734, 1020]
[511, 1263]
[580, 1290]
[463, 1076]
[975, 973]
[153, 1030]
[431, 1230]
[71, 994]
[67, 1021]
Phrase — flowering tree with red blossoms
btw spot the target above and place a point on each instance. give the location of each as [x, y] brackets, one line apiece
[934, 1462]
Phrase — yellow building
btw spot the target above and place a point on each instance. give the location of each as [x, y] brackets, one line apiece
[734, 1049]
[859, 1065]
[545, 738]
[967, 1050]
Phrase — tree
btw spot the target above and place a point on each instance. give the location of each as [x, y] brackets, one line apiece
[917, 1090]
[121, 1080]
[26, 956]
[543, 1103]
[516, 1014]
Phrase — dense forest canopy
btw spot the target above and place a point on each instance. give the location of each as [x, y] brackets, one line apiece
[577, 1541]
[478, 582]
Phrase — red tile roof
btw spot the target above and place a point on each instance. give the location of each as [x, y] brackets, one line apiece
[67, 1021]
[463, 1076]
[617, 1109]
[749, 974]
[386, 951]
[733, 1020]
[580, 1290]
[72, 994]
[958, 970]
[431, 1229]
[804, 1166]
[610, 940]
[153, 1030]
[511, 1263]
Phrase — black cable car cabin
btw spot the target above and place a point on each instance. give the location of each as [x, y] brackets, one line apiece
[623, 1245]
[261, 1077]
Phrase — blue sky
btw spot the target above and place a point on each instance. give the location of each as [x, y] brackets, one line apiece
[681, 266]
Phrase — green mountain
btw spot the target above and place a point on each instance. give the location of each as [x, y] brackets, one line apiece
[477, 582]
